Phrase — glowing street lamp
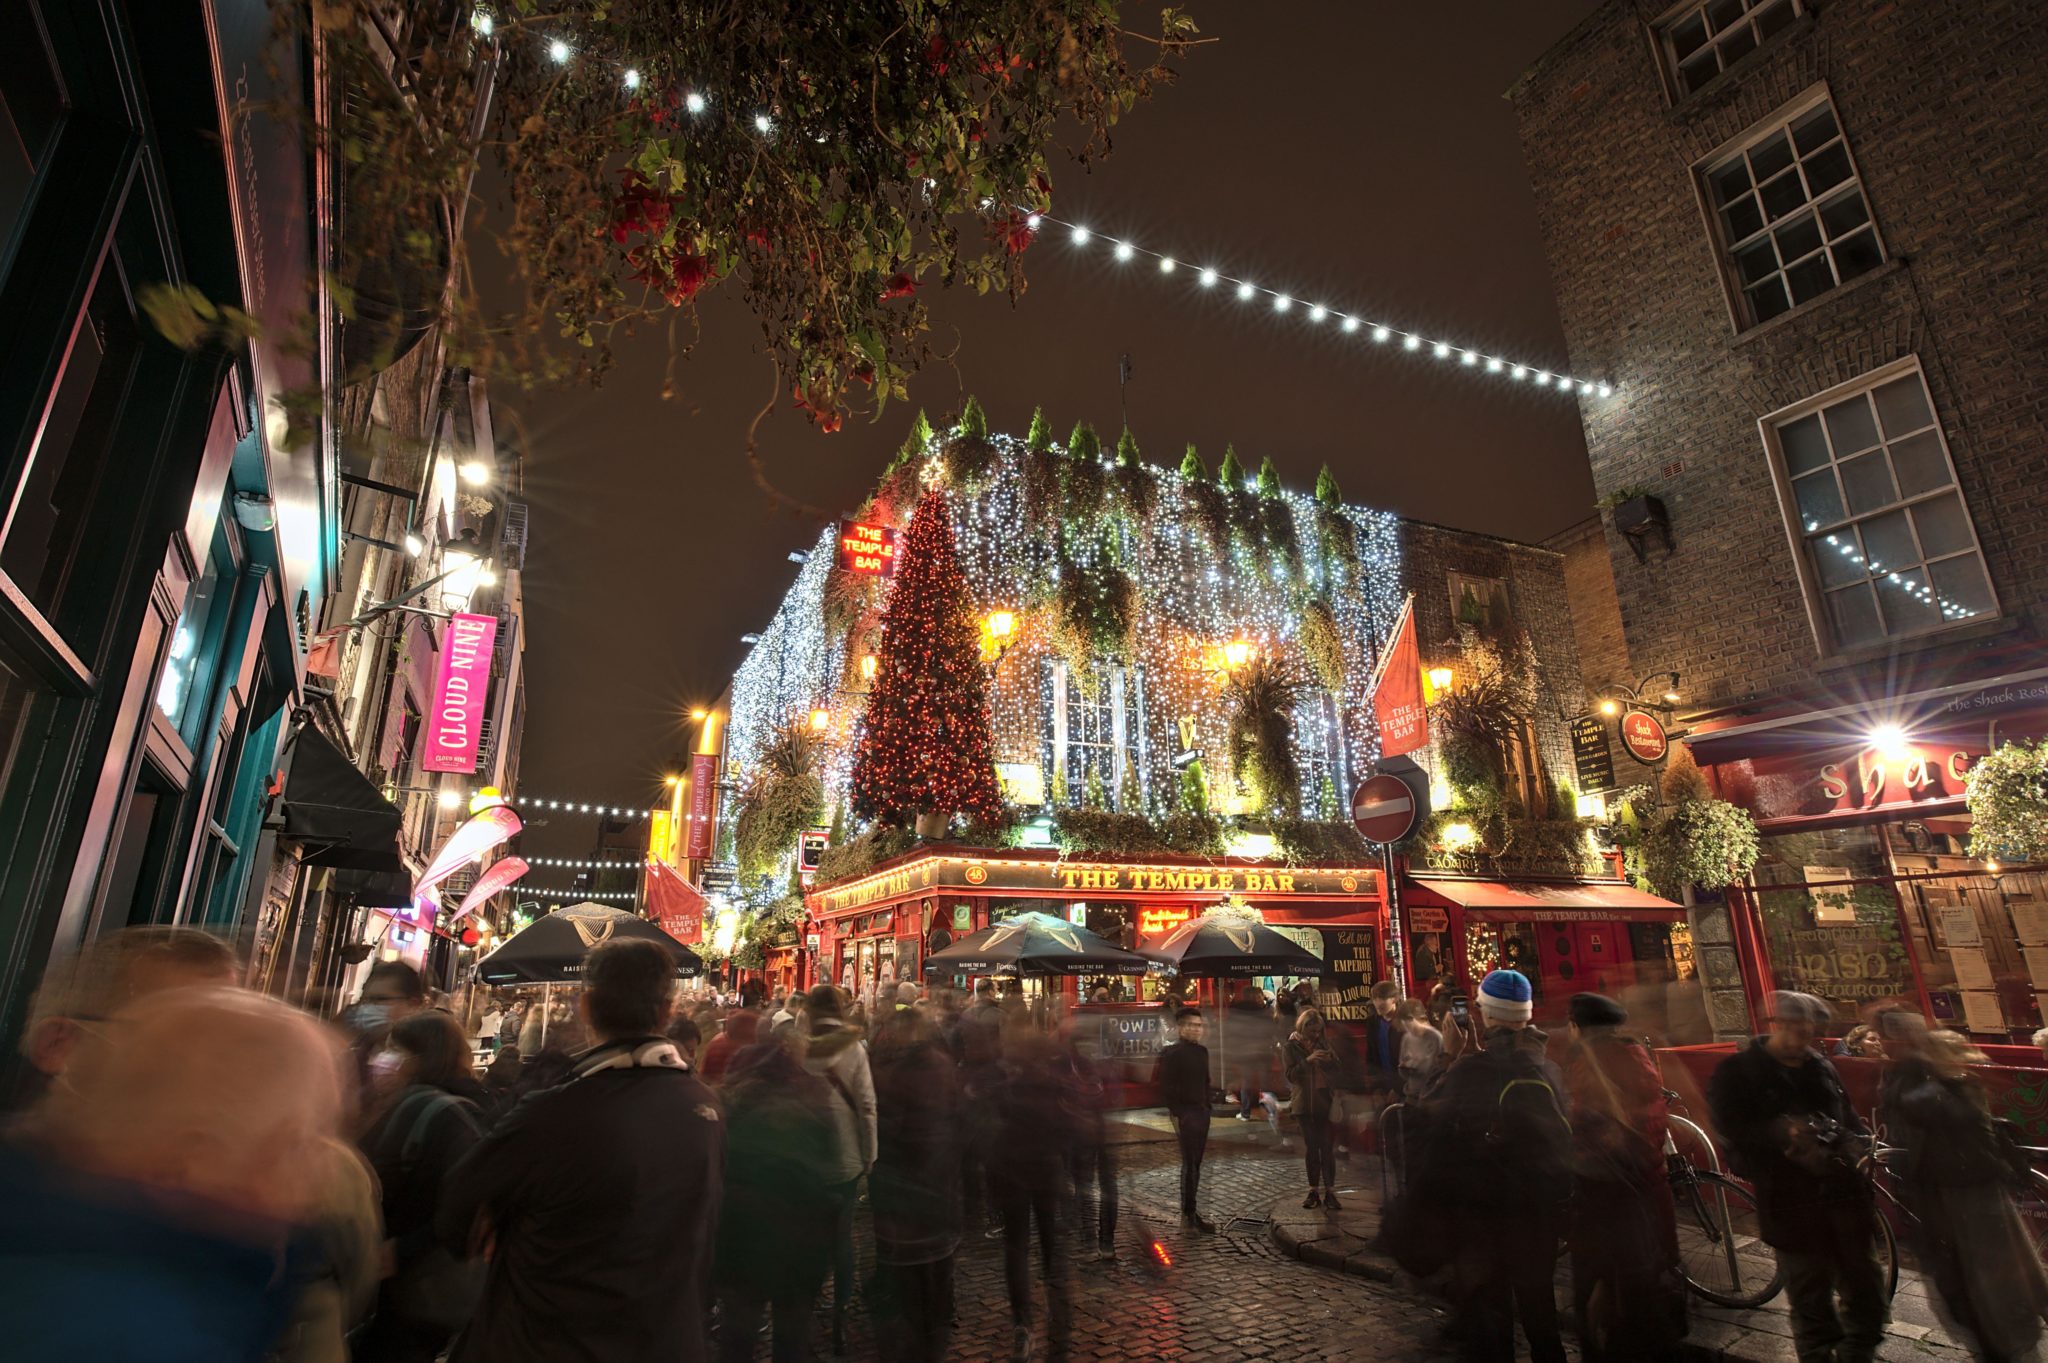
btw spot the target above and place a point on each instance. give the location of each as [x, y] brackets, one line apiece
[1440, 679]
[1237, 653]
[869, 665]
[821, 720]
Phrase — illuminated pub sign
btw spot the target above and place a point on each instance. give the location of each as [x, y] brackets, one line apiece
[1095, 879]
[867, 549]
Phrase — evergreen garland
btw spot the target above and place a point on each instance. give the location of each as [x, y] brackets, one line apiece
[924, 744]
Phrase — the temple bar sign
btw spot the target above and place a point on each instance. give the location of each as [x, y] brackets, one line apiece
[1094, 880]
[869, 549]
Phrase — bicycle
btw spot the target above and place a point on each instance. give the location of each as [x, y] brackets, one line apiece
[1721, 1253]
[1894, 1217]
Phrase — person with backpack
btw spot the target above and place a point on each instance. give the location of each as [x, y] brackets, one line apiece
[1497, 1172]
[1312, 1074]
[1626, 1284]
[425, 1127]
[1792, 1132]
[835, 1054]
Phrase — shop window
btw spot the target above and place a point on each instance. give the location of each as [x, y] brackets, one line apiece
[189, 671]
[1092, 731]
[48, 549]
[1886, 544]
[1831, 919]
[1789, 213]
[1479, 603]
[31, 107]
[1319, 748]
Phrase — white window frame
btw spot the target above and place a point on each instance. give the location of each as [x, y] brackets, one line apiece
[1796, 533]
[1667, 49]
[1726, 247]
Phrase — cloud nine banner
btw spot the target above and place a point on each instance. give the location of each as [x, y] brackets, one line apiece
[455, 723]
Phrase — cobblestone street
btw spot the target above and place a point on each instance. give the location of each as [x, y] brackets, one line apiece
[1231, 1295]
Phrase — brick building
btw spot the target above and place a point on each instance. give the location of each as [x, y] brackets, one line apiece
[1803, 239]
[1595, 607]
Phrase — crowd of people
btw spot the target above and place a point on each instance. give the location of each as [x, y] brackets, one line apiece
[192, 1170]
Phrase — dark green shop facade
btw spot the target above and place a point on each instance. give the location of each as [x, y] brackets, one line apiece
[162, 553]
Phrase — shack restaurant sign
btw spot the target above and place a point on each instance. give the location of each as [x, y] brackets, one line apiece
[869, 549]
[1922, 773]
[456, 723]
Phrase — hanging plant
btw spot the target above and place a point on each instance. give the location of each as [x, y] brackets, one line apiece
[1693, 838]
[1206, 501]
[1094, 611]
[1083, 480]
[782, 797]
[1137, 488]
[1322, 643]
[1260, 740]
[1041, 470]
[970, 454]
[848, 596]
[2008, 800]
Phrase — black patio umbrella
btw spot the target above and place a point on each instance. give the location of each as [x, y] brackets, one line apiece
[1217, 946]
[1035, 944]
[552, 948]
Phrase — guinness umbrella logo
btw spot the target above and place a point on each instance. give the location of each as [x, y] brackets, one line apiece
[1239, 935]
[594, 928]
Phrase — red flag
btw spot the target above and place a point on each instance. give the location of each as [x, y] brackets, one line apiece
[698, 837]
[674, 903]
[1397, 690]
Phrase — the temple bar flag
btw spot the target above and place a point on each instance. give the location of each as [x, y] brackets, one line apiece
[1397, 690]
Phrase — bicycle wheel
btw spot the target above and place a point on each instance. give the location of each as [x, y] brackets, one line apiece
[1887, 1248]
[1720, 1253]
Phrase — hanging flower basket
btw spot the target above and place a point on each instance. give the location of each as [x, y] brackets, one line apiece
[2008, 800]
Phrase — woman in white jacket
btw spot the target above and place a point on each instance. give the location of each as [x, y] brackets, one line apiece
[836, 1054]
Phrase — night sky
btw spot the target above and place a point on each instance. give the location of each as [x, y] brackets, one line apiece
[1360, 155]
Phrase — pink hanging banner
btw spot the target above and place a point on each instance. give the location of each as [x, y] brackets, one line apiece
[455, 723]
[469, 842]
[497, 876]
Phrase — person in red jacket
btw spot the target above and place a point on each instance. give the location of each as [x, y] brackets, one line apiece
[1623, 1234]
[742, 1028]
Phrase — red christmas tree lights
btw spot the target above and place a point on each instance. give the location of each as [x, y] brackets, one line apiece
[924, 744]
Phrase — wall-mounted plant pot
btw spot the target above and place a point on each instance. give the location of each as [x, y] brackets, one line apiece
[1641, 518]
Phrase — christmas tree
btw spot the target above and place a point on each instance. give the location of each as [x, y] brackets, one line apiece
[924, 742]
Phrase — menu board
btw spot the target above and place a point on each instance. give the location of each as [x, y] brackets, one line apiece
[1344, 993]
[2037, 965]
[2030, 919]
[1973, 970]
[1959, 927]
[1981, 1012]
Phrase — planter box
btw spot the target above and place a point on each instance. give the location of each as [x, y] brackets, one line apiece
[1639, 518]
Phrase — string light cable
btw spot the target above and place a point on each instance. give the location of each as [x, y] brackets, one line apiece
[1378, 333]
[1385, 334]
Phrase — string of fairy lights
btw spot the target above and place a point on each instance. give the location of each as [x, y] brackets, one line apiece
[556, 895]
[571, 864]
[1208, 277]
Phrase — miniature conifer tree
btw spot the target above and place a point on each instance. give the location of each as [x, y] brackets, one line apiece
[1269, 478]
[1231, 475]
[1127, 449]
[1084, 443]
[1038, 439]
[1191, 466]
[973, 420]
[1326, 489]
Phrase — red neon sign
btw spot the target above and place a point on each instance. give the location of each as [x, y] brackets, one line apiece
[869, 549]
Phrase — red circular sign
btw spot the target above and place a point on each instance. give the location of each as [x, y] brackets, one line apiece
[1383, 807]
[1644, 737]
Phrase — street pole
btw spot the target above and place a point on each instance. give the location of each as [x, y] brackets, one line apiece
[1123, 383]
[1396, 953]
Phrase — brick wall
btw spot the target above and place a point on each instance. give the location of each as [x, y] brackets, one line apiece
[1946, 115]
[1595, 608]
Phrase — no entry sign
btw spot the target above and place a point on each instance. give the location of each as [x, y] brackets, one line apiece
[1383, 807]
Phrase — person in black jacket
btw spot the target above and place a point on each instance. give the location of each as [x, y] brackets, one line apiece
[421, 1132]
[599, 1198]
[1027, 1174]
[1791, 1132]
[1183, 1079]
[1497, 1168]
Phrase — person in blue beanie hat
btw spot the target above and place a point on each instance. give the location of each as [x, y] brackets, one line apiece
[1499, 1140]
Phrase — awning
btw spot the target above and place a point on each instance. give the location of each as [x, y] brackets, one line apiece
[330, 808]
[375, 889]
[1504, 901]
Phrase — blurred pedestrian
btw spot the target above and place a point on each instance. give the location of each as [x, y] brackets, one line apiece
[1422, 1050]
[741, 1030]
[1958, 1180]
[977, 1043]
[1312, 1074]
[423, 1127]
[599, 1197]
[835, 1054]
[1626, 1284]
[1250, 1048]
[161, 1202]
[777, 1226]
[114, 971]
[1182, 1076]
[1792, 1132]
[1093, 1158]
[914, 1188]
[688, 1039]
[1496, 1171]
[1027, 1175]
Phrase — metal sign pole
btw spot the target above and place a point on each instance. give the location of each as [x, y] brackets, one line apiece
[1396, 947]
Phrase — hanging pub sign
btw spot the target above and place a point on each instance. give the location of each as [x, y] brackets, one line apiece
[1591, 755]
[869, 549]
[1644, 738]
[455, 724]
